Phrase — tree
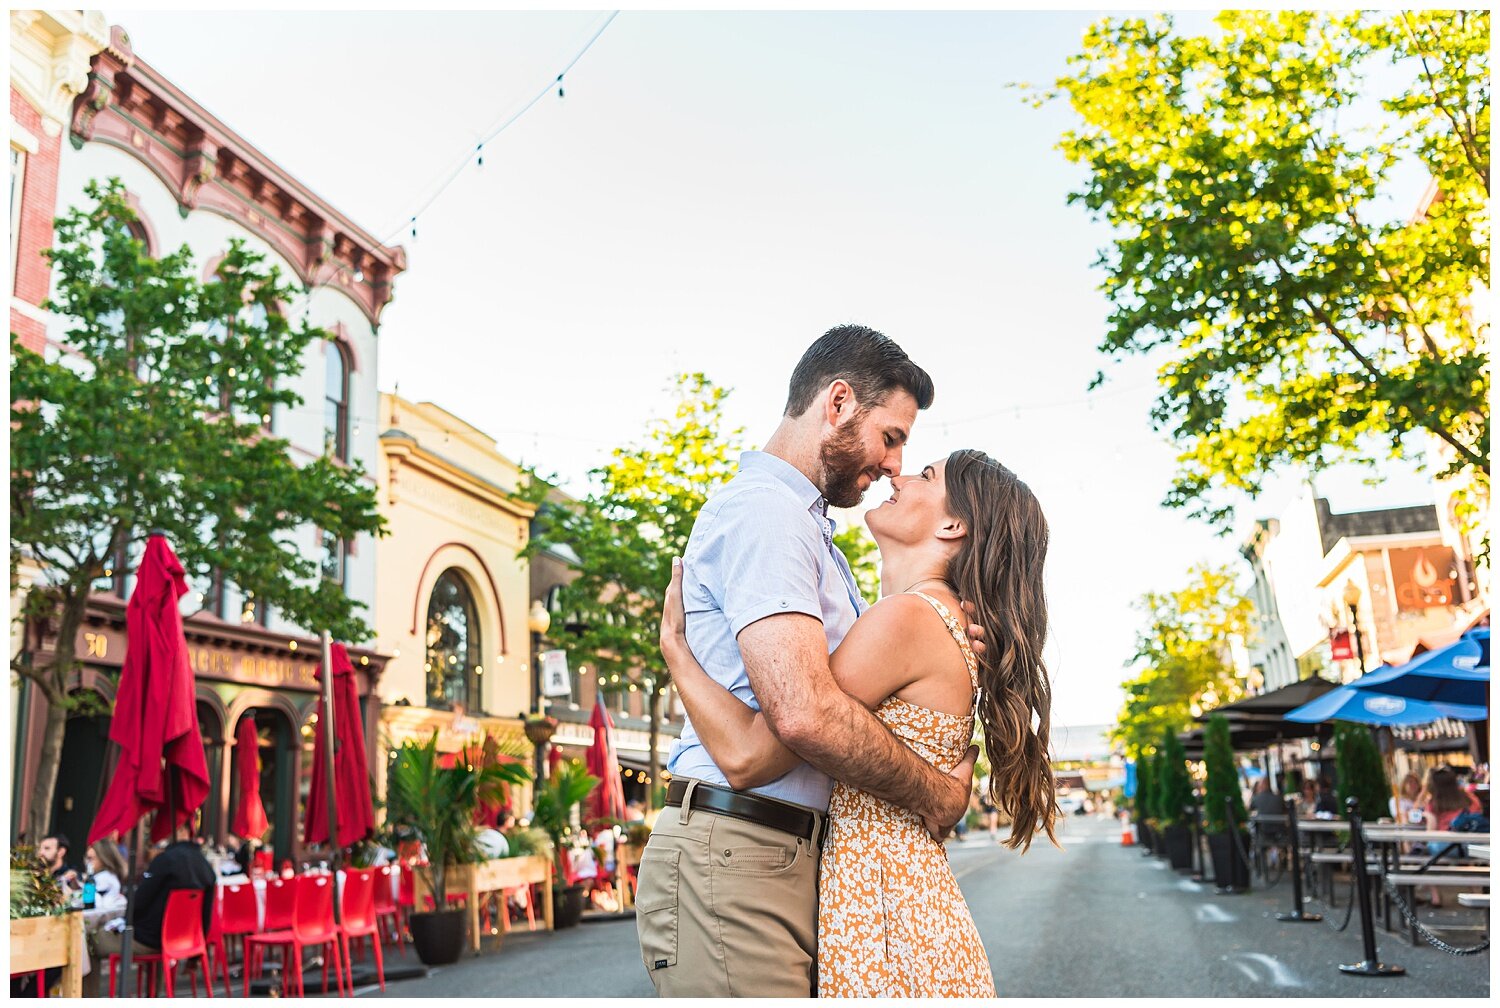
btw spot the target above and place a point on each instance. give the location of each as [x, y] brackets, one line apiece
[1222, 782]
[1361, 771]
[625, 534]
[1183, 653]
[1299, 314]
[1173, 782]
[1145, 787]
[154, 421]
[864, 560]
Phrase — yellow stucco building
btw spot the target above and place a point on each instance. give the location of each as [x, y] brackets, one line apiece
[452, 597]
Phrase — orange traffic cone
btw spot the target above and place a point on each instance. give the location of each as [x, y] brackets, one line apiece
[1127, 834]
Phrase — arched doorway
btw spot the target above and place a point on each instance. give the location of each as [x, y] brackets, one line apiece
[83, 772]
[211, 731]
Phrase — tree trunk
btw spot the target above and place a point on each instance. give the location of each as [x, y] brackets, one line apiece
[53, 685]
[653, 762]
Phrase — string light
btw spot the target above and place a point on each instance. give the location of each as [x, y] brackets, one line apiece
[459, 167]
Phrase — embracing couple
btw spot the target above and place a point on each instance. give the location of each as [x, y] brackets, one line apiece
[827, 748]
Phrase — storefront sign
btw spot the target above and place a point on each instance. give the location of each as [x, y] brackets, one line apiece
[555, 679]
[1424, 577]
[1343, 649]
[269, 670]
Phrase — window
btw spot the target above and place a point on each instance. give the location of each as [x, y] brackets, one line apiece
[335, 558]
[336, 401]
[17, 185]
[453, 645]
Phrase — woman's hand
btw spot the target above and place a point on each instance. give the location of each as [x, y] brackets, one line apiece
[673, 615]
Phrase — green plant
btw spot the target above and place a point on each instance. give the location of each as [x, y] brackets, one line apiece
[1145, 789]
[1361, 772]
[556, 798]
[1222, 782]
[637, 834]
[529, 841]
[439, 802]
[1174, 786]
[33, 890]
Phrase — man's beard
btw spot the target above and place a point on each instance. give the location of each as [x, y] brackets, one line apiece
[842, 455]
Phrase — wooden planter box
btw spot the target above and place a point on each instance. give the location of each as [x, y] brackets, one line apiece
[491, 876]
[38, 943]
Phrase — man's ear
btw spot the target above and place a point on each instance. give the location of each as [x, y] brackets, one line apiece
[952, 529]
[839, 403]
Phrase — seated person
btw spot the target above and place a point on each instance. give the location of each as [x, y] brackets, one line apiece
[102, 863]
[181, 866]
[54, 850]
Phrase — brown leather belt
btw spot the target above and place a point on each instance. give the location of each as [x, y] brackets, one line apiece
[741, 805]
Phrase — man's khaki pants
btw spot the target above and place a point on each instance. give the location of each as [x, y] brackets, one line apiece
[727, 908]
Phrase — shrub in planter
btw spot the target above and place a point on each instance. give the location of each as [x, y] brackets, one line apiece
[1223, 810]
[1160, 820]
[1174, 790]
[1144, 802]
[1361, 771]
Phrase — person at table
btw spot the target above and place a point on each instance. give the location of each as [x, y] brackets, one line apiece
[102, 863]
[53, 850]
[181, 866]
[1326, 801]
[1446, 802]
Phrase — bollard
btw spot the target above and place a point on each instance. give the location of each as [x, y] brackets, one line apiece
[1372, 966]
[1296, 868]
[1197, 820]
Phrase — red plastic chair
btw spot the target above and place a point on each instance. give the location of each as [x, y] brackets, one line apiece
[312, 924]
[264, 860]
[359, 913]
[182, 940]
[387, 914]
[275, 931]
[218, 954]
[240, 913]
[406, 899]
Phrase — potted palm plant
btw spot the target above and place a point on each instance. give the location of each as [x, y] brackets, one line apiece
[439, 803]
[1223, 809]
[556, 798]
[1175, 795]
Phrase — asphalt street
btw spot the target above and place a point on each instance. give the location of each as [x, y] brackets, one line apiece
[1092, 920]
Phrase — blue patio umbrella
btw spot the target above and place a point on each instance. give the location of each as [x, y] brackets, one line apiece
[1456, 674]
[1351, 703]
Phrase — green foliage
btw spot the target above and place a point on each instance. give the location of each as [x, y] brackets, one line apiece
[1361, 772]
[1223, 781]
[1173, 784]
[1301, 316]
[1145, 787]
[625, 534]
[556, 798]
[439, 802]
[864, 559]
[1184, 656]
[158, 423]
[33, 890]
[529, 842]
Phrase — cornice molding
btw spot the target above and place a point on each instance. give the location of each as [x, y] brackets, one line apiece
[207, 166]
[49, 59]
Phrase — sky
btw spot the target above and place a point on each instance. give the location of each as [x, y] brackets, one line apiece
[713, 192]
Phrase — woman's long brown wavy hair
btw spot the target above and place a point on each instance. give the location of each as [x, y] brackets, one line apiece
[998, 568]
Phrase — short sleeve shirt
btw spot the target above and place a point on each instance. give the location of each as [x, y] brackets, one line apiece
[761, 546]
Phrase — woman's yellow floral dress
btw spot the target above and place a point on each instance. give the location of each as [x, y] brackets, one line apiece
[891, 919]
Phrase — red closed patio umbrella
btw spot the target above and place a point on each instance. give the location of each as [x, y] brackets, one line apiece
[354, 809]
[162, 767]
[607, 801]
[250, 814]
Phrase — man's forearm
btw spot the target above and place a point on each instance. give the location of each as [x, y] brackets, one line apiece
[852, 746]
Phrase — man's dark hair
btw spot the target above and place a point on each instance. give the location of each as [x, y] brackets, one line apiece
[62, 840]
[872, 364]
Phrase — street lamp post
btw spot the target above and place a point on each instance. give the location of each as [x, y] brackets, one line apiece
[538, 619]
[1351, 599]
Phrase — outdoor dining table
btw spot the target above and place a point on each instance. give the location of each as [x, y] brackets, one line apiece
[259, 885]
[1481, 851]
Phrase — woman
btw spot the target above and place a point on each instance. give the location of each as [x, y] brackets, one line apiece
[1446, 802]
[891, 920]
[102, 861]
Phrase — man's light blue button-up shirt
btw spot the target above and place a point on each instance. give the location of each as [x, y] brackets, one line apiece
[762, 545]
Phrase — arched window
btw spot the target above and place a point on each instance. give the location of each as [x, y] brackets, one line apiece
[336, 400]
[453, 645]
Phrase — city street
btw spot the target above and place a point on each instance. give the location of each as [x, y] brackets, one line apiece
[1094, 920]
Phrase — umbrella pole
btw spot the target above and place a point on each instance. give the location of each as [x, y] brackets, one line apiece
[327, 757]
[127, 937]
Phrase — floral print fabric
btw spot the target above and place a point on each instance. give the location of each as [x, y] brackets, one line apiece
[891, 919]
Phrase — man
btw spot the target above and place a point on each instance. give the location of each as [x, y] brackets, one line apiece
[180, 866]
[53, 850]
[727, 901]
